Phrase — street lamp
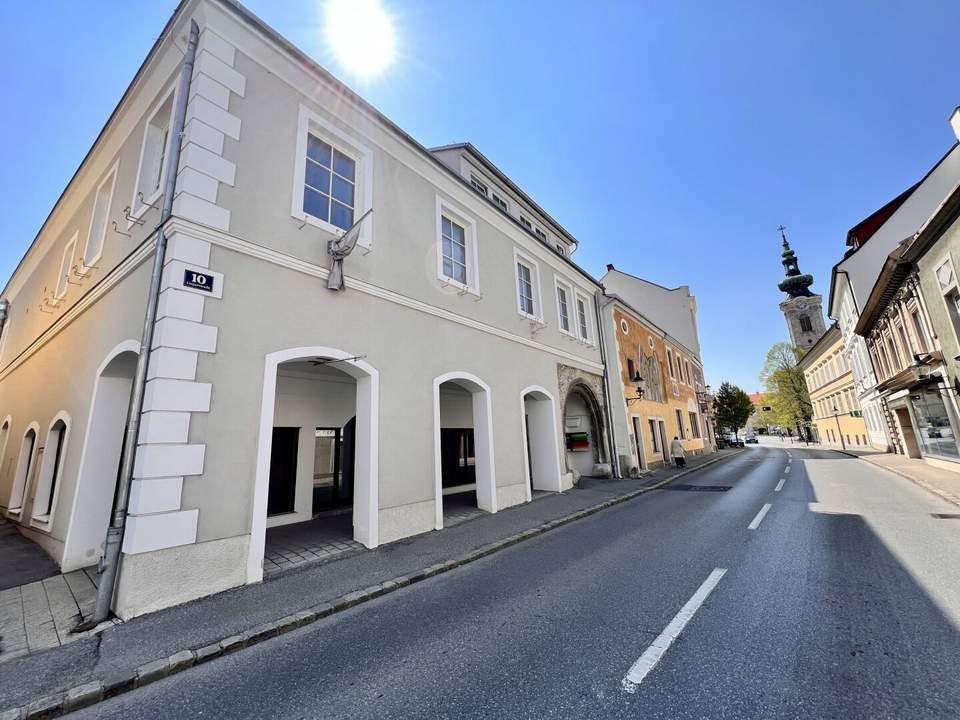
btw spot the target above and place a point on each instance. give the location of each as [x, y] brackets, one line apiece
[836, 416]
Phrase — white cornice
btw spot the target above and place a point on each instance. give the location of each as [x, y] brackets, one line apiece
[251, 249]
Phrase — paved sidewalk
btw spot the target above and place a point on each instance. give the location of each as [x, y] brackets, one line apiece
[115, 659]
[944, 483]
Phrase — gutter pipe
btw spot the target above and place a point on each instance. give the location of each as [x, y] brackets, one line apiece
[109, 565]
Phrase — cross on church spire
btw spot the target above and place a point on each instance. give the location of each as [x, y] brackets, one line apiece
[783, 233]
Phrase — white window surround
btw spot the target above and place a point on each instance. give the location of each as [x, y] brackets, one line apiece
[311, 123]
[454, 213]
[672, 370]
[66, 267]
[99, 220]
[500, 201]
[137, 206]
[522, 258]
[479, 185]
[26, 457]
[51, 472]
[558, 285]
[579, 297]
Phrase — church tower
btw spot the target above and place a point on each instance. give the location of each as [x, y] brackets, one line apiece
[802, 308]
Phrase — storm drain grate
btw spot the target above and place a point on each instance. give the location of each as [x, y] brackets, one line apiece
[946, 516]
[699, 488]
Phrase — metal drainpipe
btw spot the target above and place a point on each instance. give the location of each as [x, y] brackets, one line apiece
[611, 436]
[114, 540]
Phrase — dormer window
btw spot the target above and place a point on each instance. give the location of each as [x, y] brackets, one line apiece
[479, 185]
[540, 234]
[500, 202]
[526, 223]
[560, 249]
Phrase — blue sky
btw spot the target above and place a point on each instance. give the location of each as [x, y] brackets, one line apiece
[671, 138]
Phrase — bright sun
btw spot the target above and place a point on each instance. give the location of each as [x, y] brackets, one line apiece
[361, 34]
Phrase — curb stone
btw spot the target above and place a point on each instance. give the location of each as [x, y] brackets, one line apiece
[123, 681]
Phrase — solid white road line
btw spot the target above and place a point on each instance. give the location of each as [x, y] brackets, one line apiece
[759, 518]
[779, 486]
[786, 469]
[651, 656]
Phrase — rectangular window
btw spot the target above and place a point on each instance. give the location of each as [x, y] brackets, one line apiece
[582, 320]
[526, 223]
[329, 188]
[454, 250]
[153, 155]
[478, 185]
[540, 234]
[681, 433]
[525, 289]
[654, 439]
[686, 365]
[98, 221]
[499, 202]
[563, 310]
[631, 370]
[918, 328]
[694, 425]
[66, 267]
[670, 367]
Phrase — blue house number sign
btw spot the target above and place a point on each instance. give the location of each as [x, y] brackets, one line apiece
[197, 280]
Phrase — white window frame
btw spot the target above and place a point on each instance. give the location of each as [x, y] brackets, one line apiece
[559, 284]
[46, 476]
[469, 225]
[66, 267]
[110, 178]
[588, 311]
[311, 123]
[138, 207]
[497, 198]
[541, 235]
[522, 258]
[670, 368]
[479, 185]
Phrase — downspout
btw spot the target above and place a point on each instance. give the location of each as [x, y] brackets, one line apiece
[611, 437]
[114, 539]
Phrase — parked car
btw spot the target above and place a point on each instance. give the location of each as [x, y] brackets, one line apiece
[751, 438]
[733, 440]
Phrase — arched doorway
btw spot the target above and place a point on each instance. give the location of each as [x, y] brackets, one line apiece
[317, 454]
[100, 459]
[463, 444]
[583, 429]
[540, 448]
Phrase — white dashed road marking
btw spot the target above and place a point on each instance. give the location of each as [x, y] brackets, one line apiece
[651, 656]
[755, 523]
[786, 469]
[779, 486]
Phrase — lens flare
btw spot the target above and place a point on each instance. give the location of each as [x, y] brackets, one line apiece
[360, 32]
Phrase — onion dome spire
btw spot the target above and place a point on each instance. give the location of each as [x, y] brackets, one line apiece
[795, 284]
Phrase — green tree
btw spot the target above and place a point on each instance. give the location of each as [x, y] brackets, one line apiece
[732, 407]
[785, 389]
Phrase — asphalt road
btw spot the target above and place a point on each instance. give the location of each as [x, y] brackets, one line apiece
[842, 602]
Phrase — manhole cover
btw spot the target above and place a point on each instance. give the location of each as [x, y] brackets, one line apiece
[699, 488]
[946, 516]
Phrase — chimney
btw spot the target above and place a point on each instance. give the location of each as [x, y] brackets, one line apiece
[610, 266]
[955, 122]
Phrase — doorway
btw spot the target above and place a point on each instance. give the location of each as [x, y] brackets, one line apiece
[100, 459]
[583, 430]
[315, 491]
[541, 445]
[910, 446]
[464, 479]
[664, 445]
[638, 443]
